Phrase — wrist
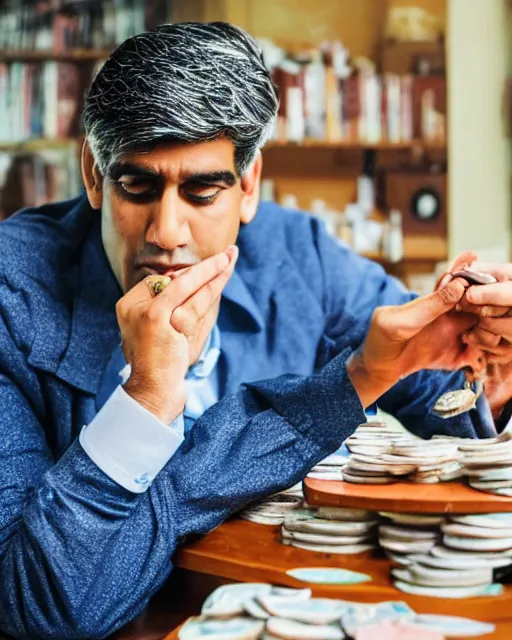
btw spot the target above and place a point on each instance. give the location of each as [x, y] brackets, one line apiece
[368, 385]
[165, 404]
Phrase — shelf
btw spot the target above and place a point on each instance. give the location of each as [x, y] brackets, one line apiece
[358, 146]
[39, 144]
[76, 55]
[307, 144]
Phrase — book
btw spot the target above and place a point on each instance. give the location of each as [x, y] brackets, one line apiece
[59, 26]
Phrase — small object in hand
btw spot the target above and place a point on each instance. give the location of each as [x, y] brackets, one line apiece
[454, 403]
[474, 277]
[157, 284]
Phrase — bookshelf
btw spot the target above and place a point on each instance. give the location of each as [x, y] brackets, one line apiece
[328, 157]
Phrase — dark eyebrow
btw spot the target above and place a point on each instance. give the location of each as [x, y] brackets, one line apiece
[119, 169]
[212, 177]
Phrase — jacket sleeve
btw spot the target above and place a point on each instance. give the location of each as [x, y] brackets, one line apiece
[353, 287]
[80, 555]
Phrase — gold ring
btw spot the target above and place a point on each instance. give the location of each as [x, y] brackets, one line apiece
[156, 284]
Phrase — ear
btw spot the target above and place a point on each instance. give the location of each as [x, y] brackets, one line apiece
[250, 184]
[92, 177]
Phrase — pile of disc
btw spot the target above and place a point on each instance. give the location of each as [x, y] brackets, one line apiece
[379, 455]
[330, 468]
[488, 464]
[448, 558]
[259, 611]
[331, 530]
[403, 535]
[273, 510]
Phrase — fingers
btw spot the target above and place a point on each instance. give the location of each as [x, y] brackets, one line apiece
[487, 311]
[499, 326]
[185, 283]
[407, 320]
[502, 271]
[502, 354]
[499, 294]
[186, 316]
[481, 338]
[137, 294]
[463, 260]
[192, 280]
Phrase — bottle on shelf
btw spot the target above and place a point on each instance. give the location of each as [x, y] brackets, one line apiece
[393, 242]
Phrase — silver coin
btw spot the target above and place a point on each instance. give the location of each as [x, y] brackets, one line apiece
[453, 403]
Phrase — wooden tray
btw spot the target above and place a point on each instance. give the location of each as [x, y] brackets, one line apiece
[445, 497]
[247, 552]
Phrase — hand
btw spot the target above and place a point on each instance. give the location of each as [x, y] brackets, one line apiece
[158, 353]
[493, 303]
[493, 334]
[422, 334]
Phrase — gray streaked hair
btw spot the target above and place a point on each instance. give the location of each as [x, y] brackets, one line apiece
[185, 82]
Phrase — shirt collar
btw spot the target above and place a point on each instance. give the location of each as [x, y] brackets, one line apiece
[208, 358]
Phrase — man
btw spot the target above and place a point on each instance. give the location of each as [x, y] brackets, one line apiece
[98, 481]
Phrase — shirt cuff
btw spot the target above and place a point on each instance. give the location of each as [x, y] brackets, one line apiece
[129, 443]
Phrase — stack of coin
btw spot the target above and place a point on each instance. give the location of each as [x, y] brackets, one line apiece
[331, 530]
[273, 510]
[453, 557]
[381, 456]
[403, 535]
[488, 464]
[330, 468]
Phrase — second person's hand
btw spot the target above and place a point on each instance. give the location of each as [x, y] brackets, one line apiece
[423, 334]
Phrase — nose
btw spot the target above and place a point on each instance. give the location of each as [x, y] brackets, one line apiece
[169, 227]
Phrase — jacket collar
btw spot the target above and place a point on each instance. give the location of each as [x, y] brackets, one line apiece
[76, 345]
[94, 329]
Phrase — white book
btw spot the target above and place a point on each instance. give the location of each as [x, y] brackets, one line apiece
[315, 100]
[392, 88]
[50, 99]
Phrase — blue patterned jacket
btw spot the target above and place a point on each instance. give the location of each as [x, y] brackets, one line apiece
[79, 555]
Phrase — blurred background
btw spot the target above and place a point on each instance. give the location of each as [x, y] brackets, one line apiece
[393, 126]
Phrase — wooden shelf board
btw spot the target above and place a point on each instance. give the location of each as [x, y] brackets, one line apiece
[307, 144]
[403, 497]
[247, 552]
[76, 55]
[358, 146]
[38, 144]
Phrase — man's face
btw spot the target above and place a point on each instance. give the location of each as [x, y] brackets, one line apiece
[170, 208]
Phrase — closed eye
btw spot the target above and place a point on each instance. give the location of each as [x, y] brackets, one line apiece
[136, 186]
[201, 194]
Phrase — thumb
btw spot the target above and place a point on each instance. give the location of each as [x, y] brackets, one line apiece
[409, 319]
[462, 261]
